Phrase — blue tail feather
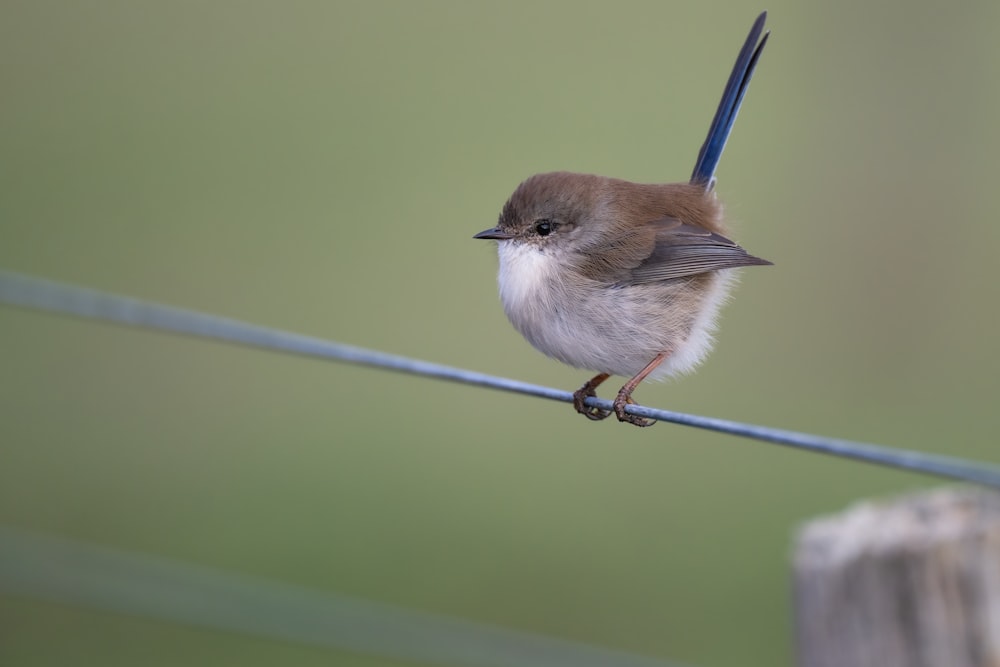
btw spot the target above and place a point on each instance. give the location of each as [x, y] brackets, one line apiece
[729, 107]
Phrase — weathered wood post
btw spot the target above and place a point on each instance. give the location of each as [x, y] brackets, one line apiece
[913, 582]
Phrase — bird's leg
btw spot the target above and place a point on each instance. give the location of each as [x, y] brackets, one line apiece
[586, 391]
[625, 394]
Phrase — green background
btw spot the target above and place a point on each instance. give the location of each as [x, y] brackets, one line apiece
[321, 167]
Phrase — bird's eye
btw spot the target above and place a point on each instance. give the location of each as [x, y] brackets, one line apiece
[544, 227]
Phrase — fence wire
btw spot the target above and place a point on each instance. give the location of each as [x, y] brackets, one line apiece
[39, 294]
[76, 573]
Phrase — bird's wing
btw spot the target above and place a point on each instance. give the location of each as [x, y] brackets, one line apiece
[681, 250]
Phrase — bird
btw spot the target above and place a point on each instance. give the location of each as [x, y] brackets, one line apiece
[623, 278]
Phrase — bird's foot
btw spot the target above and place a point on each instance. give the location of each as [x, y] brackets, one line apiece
[585, 392]
[625, 398]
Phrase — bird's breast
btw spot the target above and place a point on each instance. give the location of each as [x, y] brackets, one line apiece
[601, 327]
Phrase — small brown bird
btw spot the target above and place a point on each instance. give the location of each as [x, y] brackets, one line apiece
[624, 278]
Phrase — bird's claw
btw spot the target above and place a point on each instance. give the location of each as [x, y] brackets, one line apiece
[625, 398]
[581, 395]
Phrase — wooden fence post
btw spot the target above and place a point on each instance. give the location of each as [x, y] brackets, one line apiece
[913, 582]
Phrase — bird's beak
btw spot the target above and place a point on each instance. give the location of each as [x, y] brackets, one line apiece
[494, 233]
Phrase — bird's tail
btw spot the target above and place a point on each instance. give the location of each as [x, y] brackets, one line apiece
[732, 98]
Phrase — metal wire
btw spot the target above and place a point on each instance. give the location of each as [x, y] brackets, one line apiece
[66, 571]
[39, 294]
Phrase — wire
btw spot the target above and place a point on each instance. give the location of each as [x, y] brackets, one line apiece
[57, 569]
[39, 294]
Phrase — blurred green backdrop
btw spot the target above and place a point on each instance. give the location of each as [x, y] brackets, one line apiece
[321, 167]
